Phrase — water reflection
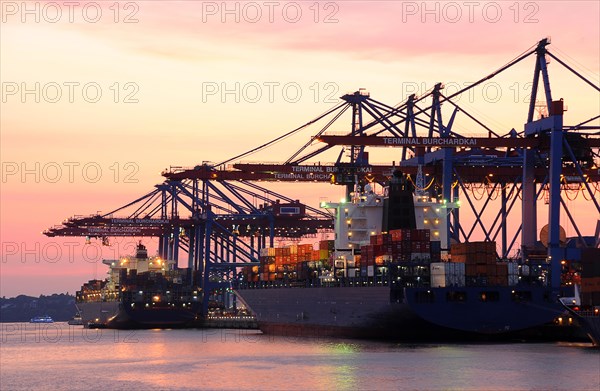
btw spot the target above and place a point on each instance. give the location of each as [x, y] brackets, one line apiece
[246, 359]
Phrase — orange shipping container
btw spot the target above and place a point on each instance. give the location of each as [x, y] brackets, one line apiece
[458, 258]
[481, 269]
[502, 269]
[458, 249]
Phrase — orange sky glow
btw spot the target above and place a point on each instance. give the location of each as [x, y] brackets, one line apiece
[99, 98]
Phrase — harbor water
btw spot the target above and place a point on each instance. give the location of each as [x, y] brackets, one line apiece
[61, 357]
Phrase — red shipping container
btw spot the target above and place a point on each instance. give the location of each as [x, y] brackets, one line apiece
[415, 247]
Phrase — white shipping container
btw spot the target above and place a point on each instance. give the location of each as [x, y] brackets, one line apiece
[439, 268]
[438, 280]
[352, 272]
[445, 274]
[370, 271]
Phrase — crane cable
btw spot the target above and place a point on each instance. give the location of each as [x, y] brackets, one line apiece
[283, 136]
[424, 188]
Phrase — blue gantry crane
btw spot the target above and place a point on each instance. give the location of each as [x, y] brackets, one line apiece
[221, 217]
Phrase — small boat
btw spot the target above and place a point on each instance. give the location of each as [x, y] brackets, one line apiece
[76, 321]
[96, 324]
[41, 319]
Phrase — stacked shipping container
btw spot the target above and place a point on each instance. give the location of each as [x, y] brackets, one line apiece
[400, 245]
[408, 255]
[481, 266]
[297, 261]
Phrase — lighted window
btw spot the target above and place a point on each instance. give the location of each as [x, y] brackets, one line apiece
[489, 296]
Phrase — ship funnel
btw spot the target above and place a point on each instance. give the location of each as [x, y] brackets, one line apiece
[141, 251]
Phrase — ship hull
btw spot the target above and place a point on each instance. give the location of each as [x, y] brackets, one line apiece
[368, 312]
[115, 316]
[154, 318]
[97, 312]
[342, 312]
[485, 310]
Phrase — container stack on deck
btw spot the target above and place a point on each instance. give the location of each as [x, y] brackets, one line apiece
[481, 266]
[402, 251]
[405, 256]
[297, 261]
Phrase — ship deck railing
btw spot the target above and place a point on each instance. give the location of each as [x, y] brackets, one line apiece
[374, 281]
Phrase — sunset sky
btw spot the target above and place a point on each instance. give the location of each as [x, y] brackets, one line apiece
[126, 89]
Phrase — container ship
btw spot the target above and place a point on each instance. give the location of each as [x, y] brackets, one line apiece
[140, 292]
[385, 276]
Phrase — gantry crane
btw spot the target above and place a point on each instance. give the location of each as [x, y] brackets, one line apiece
[229, 217]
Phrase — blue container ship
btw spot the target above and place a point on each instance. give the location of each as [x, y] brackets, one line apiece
[386, 276]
